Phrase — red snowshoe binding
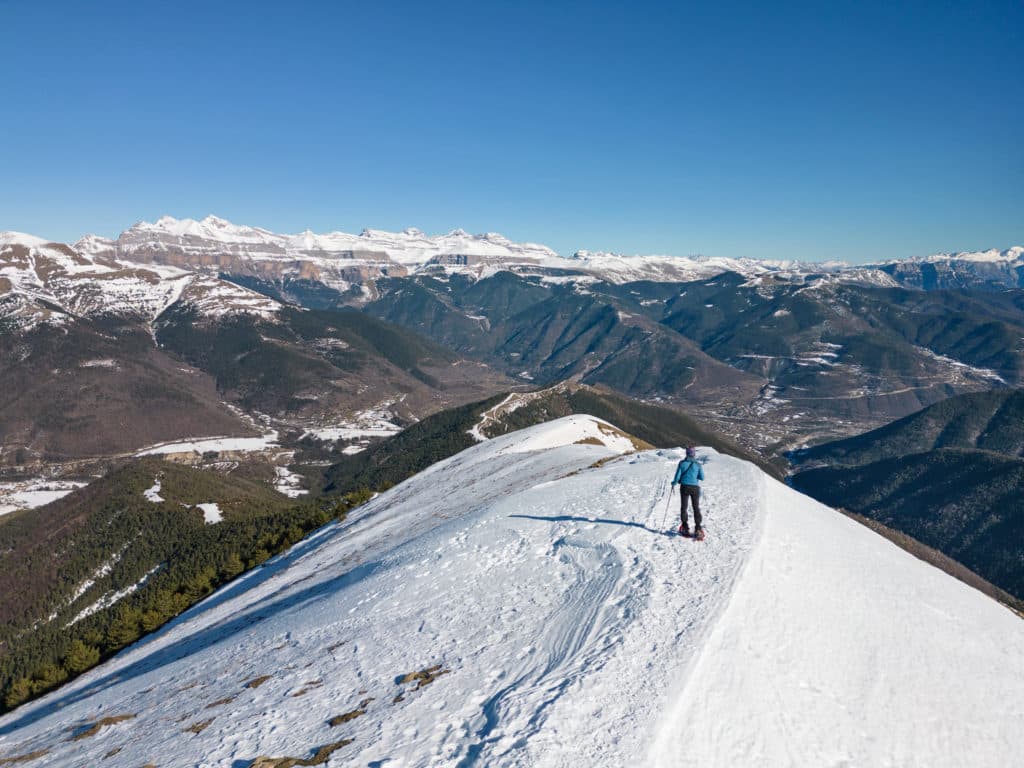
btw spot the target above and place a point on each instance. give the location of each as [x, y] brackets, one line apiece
[699, 534]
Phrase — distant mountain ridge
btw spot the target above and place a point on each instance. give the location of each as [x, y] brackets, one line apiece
[763, 345]
[100, 356]
[337, 257]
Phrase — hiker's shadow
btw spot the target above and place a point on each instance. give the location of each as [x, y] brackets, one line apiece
[601, 520]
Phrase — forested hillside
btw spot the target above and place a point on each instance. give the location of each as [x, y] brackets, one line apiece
[950, 476]
[967, 504]
[89, 574]
[445, 434]
[990, 421]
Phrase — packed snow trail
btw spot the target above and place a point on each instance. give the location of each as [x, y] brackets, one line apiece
[554, 593]
[527, 603]
[840, 649]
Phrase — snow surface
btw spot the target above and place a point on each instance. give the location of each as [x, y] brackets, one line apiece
[289, 483]
[112, 597]
[29, 494]
[153, 492]
[211, 513]
[575, 630]
[216, 444]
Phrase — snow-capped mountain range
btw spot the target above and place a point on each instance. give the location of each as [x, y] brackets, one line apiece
[153, 265]
[526, 603]
[54, 283]
[339, 256]
[338, 259]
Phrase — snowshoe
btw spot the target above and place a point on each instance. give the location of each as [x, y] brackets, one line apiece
[684, 531]
[699, 534]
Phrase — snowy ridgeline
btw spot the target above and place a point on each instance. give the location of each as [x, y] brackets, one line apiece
[533, 584]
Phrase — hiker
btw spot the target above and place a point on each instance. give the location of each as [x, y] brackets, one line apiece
[689, 473]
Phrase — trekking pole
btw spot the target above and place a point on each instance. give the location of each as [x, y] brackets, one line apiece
[668, 504]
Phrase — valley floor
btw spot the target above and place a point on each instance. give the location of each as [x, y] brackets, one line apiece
[526, 603]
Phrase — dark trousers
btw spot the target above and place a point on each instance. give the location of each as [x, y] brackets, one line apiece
[691, 492]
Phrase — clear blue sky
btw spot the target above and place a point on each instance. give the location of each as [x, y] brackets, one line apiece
[808, 130]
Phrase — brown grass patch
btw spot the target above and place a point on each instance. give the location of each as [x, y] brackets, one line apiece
[24, 758]
[199, 727]
[308, 686]
[221, 702]
[321, 756]
[588, 441]
[601, 462]
[424, 677]
[112, 752]
[348, 716]
[256, 682]
[93, 728]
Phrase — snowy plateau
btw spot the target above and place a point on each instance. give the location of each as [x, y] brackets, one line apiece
[525, 603]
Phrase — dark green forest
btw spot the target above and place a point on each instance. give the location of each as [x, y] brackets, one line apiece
[109, 534]
[965, 503]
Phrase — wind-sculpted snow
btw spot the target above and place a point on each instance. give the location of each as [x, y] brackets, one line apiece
[511, 607]
[551, 591]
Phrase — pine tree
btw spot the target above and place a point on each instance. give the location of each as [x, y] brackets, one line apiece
[124, 630]
[152, 620]
[233, 566]
[81, 657]
[48, 676]
[164, 603]
[17, 692]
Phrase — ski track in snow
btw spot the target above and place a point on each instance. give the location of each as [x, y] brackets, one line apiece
[557, 596]
[575, 629]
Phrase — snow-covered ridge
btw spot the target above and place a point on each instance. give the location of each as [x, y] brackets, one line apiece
[151, 266]
[411, 247]
[992, 255]
[341, 259]
[525, 603]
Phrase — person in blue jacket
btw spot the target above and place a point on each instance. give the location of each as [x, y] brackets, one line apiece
[689, 473]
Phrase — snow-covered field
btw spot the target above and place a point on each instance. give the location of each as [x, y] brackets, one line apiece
[534, 584]
[29, 494]
[214, 444]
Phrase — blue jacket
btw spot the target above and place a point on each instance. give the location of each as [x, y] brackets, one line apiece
[689, 472]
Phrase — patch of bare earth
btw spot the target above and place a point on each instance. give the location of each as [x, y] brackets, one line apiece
[24, 758]
[320, 757]
[199, 727]
[91, 729]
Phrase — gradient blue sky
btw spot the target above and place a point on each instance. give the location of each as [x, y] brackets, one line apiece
[806, 130]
